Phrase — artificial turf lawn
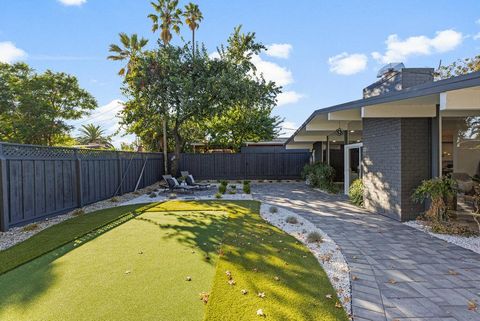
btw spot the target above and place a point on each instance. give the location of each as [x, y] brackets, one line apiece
[263, 259]
[137, 271]
[59, 234]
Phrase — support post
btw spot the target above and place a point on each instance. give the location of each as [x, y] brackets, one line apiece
[436, 145]
[4, 212]
[120, 175]
[78, 173]
[328, 150]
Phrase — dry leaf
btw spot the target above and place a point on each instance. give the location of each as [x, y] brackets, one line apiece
[244, 291]
[338, 305]
[260, 313]
[354, 277]
[328, 296]
[392, 281]
[276, 278]
[452, 272]
[231, 282]
[127, 272]
[472, 305]
[204, 297]
[188, 278]
[261, 294]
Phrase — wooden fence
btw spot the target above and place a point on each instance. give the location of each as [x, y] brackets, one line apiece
[245, 165]
[38, 182]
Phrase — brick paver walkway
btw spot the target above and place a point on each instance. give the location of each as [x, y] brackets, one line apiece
[403, 274]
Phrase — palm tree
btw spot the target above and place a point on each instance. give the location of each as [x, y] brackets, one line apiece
[166, 18]
[168, 14]
[132, 47]
[193, 16]
[94, 134]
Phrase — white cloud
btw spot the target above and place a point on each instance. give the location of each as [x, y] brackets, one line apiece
[72, 2]
[106, 116]
[9, 53]
[347, 64]
[477, 22]
[214, 55]
[288, 97]
[279, 50]
[477, 36]
[399, 50]
[273, 72]
[287, 128]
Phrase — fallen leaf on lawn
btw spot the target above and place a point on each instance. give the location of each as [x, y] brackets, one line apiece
[231, 282]
[328, 296]
[204, 297]
[261, 294]
[229, 274]
[244, 291]
[276, 278]
[260, 313]
[188, 278]
[140, 252]
[127, 272]
[338, 305]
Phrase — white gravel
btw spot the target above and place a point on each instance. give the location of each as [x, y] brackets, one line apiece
[469, 243]
[327, 252]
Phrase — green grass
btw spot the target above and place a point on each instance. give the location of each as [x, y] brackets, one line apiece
[138, 270]
[264, 259]
[59, 234]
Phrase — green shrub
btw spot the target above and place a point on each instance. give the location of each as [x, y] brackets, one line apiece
[246, 188]
[320, 175]
[222, 189]
[438, 191]
[30, 227]
[233, 187]
[355, 192]
[218, 195]
[246, 182]
[224, 182]
[314, 237]
[232, 191]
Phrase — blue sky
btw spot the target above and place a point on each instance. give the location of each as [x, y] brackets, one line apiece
[322, 52]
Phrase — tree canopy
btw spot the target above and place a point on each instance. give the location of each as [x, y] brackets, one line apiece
[223, 100]
[34, 107]
[459, 67]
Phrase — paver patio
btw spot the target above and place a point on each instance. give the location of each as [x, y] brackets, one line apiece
[403, 274]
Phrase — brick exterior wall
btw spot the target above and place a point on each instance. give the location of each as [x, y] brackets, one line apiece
[396, 158]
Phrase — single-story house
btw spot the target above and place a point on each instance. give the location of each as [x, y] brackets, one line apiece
[405, 129]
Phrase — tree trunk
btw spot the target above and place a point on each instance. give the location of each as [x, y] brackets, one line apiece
[177, 151]
[193, 43]
[165, 146]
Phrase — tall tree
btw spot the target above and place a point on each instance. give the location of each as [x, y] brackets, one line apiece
[166, 18]
[132, 48]
[193, 17]
[35, 108]
[94, 134]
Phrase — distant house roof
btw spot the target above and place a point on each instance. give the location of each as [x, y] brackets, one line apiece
[431, 88]
[280, 141]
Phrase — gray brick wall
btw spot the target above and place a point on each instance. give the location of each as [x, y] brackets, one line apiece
[396, 157]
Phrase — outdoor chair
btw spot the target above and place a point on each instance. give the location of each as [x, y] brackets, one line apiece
[174, 186]
[191, 181]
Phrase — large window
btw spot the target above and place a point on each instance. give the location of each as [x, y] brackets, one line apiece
[461, 145]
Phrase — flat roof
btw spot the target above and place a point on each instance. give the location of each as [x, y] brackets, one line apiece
[435, 87]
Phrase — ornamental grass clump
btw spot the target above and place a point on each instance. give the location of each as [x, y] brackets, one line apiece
[355, 192]
[222, 189]
[291, 220]
[314, 237]
[246, 187]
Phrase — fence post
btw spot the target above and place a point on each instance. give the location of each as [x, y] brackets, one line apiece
[4, 213]
[78, 173]
[120, 172]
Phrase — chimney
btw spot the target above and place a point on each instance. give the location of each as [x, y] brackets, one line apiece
[395, 77]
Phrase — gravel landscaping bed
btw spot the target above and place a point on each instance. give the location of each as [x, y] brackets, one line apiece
[18, 234]
[469, 243]
[327, 252]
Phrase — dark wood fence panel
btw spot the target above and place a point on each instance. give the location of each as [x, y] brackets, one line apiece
[38, 181]
[245, 166]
